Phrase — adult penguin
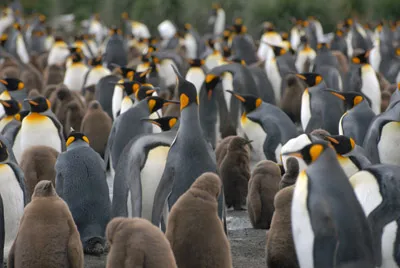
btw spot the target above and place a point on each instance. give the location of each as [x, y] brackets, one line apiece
[196, 74]
[327, 65]
[321, 220]
[357, 36]
[104, 92]
[319, 108]
[11, 130]
[212, 60]
[358, 116]
[13, 89]
[381, 141]
[369, 83]
[339, 41]
[75, 74]
[40, 127]
[181, 170]
[296, 32]
[17, 44]
[305, 56]
[140, 169]
[130, 88]
[269, 37]
[266, 125]
[96, 72]
[118, 93]
[217, 19]
[81, 182]
[11, 107]
[58, 52]
[12, 191]
[243, 44]
[116, 51]
[128, 126]
[376, 187]
[390, 65]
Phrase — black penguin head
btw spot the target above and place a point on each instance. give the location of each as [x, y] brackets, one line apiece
[3, 152]
[311, 152]
[76, 57]
[187, 27]
[74, 49]
[76, 136]
[268, 27]
[311, 79]
[11, 107]
[97, 61]
[39, 104]
[165, 123]
[12, 84]
[322, 46]
[17, 26]
[350, 99]
[278, 51]
[144, 91]
[212, 81]
[341, 144]
[249, 102]
[186, 90]
[141, 77]
[155, 103]
[3, 39]
[21, 115]
[238, 26]
[211, 43]
[130, 87]
[226, 52]
[339, 32]
[285, 36]
[196, 62]
[115, 31]
[127, 73]
[226, 34]
[362, 58]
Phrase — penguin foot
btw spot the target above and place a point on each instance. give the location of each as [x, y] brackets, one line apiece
[94, 247]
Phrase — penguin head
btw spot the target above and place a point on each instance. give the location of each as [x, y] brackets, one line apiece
[125, 16]
[127, 73]
[155, 103]
[285, 36]
[212, 81]
[17, 26]
[311, 152]
[141, 77]
[39, 104]
[362, 58]
[3, 152]
[186, 90]
[311, 79]
[74, 50]
[21, 115]
[11, 107]
[42, 18]
[97, 61]
[144, 91]
[187, 27]
[249, 102]
[12, 84]
[211, 43]
[3, 39]
[350, 99]
[238, 26]
[226, 52]
[76, 136]
[339, 33]
[77, 57]
[130, 87]
[196, 62]
[341, 144]
[226, 34]
[322, 46]
[115, 31]
[278, 51]
[165, 123]
[268, 27]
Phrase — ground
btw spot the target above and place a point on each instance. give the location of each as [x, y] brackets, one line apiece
[247, 244]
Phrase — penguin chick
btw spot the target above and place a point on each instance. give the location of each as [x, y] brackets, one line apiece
[290, 176]
[194, 229]
[38, 164]
[33, 94]
[53, 75]
[263, 186]
[222, 148]
[47, 236]
[280, 249]
[75, 114]
[385, 100]
[235, 172]
[137, 243]
[96, 124]
[291, 99]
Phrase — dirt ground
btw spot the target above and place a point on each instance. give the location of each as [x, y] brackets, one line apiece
[247, 244]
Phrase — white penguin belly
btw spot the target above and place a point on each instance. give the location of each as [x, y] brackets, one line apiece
[156, 129]
[21, 49]
[389, 144]
[212, 61]
[370, 87]
[75, 76]
[257, 134]
[275, 78]
[294, 145]
[168, 74]
[4, 122]
[305, 113]
[126, 104]
[150, 178]
[196, 76]
[95, 75]
[388, 245]
[227, 84]
[303, 235]
[142, 67]
[348, 166]
[191, 46]
[278, 150]
[57, 55]
[117, 99]
[41, 131]
[375, 58]
[341, 124]
[13, 203]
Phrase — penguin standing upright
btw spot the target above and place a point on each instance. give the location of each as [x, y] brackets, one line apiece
[96, 72]
[213, 59]
[195, 74]
[243, 46]
[116, 51]
[339, 42]
[321, 220]
[118, 94]
[18, 45]
[269, 37]
[11, 107]
[75, 74]
[12, 191]
[217, 19]
[40, 127]
[358, 116]
[58, 52]
[305, 57]
[190, 42]
[181, 169]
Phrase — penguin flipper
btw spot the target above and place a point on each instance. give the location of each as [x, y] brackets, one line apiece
[163, 191]
[59, 177]
[107, 152]
[121, 190]
[60, 130]
[135, 186]
[271, 143]
[20, 176]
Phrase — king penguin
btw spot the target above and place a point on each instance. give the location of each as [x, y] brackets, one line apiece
[11, 107]
[116, 51]
[12, 191]
[13, 89]
[181, 169]
[40, 127]
[75, 74]
[118, 94]
[195, 74]
[58, 52]
[140, 169]
[355, 121]
[328, 231]
[96, 72]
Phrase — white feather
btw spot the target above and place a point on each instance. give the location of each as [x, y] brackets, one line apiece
[294, 145]
[95, 75]
[196, 76]
[370, 87]
[219, 25]
[117, 99]
[58, 54]
[389, 144]
[21, 49]
[257, 134]
[75, 76]
[305, 113]
[274, 77]
[191, 46]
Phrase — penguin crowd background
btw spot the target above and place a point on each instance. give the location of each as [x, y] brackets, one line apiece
[139, 145]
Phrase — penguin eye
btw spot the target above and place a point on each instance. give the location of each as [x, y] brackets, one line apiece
[315, 151]
[357, 100]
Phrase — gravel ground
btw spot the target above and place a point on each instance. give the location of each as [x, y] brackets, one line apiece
[247, 244]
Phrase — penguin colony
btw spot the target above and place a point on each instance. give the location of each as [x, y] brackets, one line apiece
[138, 145]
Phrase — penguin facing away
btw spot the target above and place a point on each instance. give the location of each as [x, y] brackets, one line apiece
[46, 221]
[320, 219]
[81, 183]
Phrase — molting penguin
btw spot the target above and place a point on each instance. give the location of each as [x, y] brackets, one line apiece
[81, 182]
[140, 169]
[266, 125]
[181, 169]
[195, 74]
[320, 219]
[40, 127]
[75, 74]
[358, 116]
[11, 108]
[12, 191]
[319, 108]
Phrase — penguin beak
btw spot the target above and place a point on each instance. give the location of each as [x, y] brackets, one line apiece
[334, 93]
[5, 103]
[302, 77]
[31, 102]
[237, 96]
[332, 140]
[166, 103]
[150, 121]
[150, 91]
